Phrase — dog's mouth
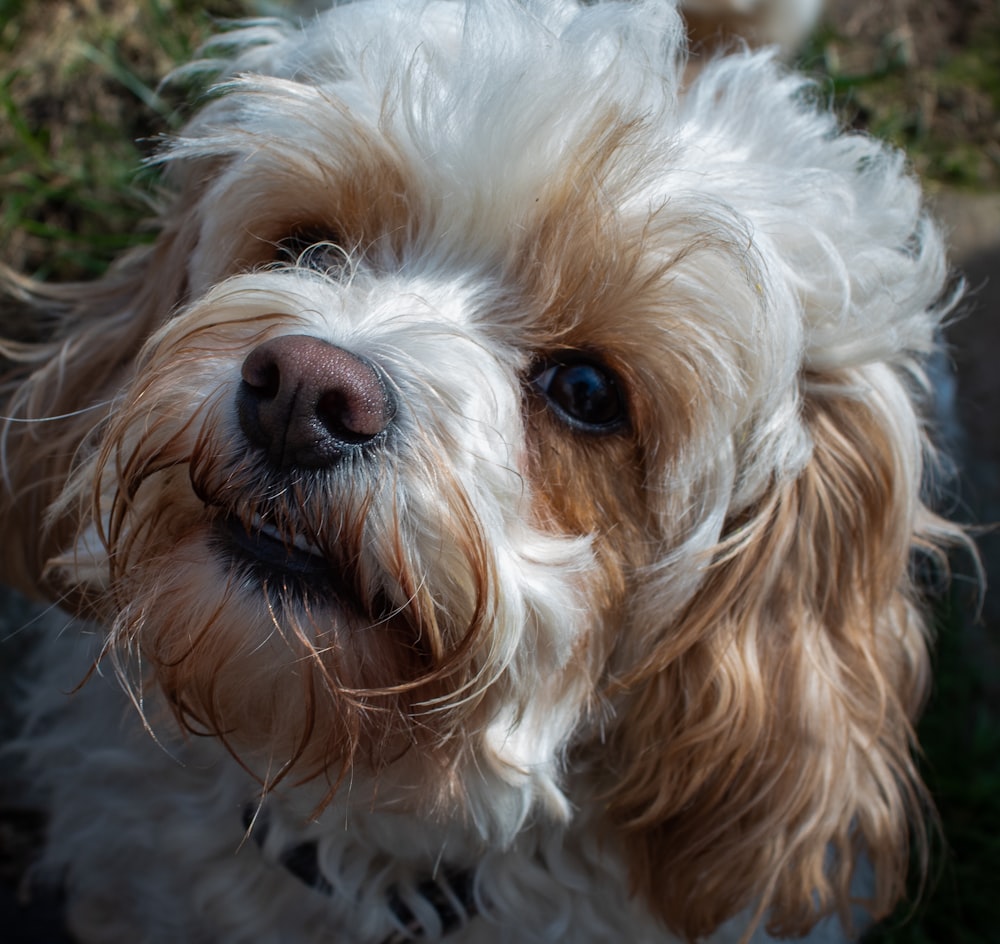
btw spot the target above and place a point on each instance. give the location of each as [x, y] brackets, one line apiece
[269, 553]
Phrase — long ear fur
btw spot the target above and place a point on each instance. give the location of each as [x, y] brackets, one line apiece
[767, 742]
[57, 391]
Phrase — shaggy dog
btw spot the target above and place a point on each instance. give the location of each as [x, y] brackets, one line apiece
[488, 508]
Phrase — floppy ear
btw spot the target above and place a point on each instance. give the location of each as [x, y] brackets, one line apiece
[56, 392]
[766, 742]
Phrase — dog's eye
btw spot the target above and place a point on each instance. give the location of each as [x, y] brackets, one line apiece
[583, 392]
[315, 250]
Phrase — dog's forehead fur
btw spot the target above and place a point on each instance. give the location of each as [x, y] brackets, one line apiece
[443, 156]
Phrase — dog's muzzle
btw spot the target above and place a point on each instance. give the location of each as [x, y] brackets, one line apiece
[308, 403]
[305, 407]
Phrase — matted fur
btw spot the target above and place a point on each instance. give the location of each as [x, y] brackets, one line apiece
[651, 680]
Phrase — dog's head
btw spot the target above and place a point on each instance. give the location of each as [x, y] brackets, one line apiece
[494, 417]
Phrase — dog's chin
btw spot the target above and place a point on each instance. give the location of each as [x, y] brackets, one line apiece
[260, 637]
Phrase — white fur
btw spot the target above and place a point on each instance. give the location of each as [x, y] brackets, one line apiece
[160, 823]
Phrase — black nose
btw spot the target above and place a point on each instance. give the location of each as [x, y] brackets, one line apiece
[307, 403]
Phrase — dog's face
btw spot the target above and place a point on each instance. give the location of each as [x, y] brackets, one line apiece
[490, 414]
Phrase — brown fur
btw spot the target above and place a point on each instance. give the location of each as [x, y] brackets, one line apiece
[766, 742]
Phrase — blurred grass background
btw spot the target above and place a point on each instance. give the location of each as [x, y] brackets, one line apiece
[923, 75]
[80, 109]
[78, 95]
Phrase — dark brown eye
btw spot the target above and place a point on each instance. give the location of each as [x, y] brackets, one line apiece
[583, 392]
[312, 249]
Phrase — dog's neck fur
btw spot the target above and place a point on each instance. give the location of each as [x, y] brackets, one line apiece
[448, 892]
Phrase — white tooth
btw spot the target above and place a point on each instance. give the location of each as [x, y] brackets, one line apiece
[303, 544]
[269, 529]
[300, 541]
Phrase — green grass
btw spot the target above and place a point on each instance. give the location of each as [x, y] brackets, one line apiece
[944, 113]
[79, 110]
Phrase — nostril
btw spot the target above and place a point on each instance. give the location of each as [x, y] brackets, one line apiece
[261, 374]
[354, 418]
[306, 401]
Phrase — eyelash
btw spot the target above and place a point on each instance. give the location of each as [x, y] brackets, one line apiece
[313, 249]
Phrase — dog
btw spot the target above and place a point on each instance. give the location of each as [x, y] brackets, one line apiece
[488, 510]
